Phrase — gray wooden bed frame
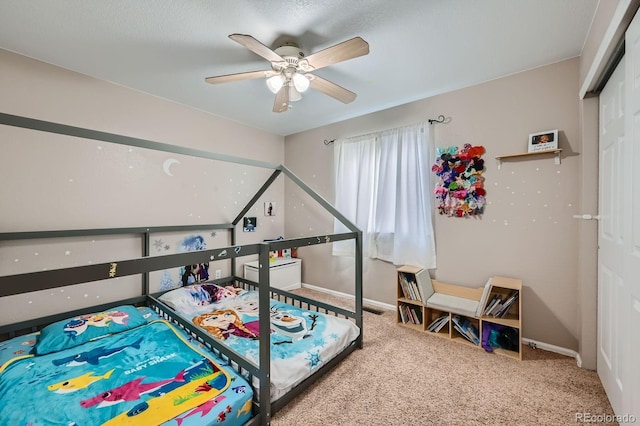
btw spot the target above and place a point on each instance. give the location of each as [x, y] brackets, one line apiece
[263, 407]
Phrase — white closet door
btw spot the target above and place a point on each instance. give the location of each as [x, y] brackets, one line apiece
[619, 232]
[631, 185]
[611, 240]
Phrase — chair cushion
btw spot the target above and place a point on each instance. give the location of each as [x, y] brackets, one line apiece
[454, 304]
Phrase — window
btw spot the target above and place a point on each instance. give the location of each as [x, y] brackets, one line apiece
[382, 184]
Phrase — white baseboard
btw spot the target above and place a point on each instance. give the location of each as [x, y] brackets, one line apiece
[290, 287]
[553, 348]
[349, 296]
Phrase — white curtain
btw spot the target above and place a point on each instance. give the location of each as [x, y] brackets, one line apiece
[382, 183]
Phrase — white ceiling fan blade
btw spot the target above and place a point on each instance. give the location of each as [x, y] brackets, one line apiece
[256, 47]
[340, 52]
[281, 104]
[332, 89]
[240, 76]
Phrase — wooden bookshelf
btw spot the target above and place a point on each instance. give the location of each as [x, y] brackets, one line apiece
[504, 287]
[501, 287]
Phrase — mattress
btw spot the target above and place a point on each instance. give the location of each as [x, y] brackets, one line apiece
[150, 373]
[302, 340]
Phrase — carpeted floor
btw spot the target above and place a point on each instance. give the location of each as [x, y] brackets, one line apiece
[404, 377]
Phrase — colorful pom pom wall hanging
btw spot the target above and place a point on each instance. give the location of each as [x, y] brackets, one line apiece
[460, 188]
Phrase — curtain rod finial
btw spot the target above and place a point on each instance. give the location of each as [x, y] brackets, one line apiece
[440, 119]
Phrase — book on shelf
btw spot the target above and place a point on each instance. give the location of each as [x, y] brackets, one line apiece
[471, 331]
[438, 323]
[416, 290]
[401, 311]
[407, 287]
[410, 314]
[416, 314]
[507, 304]
[403, 286]
[495, 299]
[496, 308]
[489, 305]
[442, 324]
[415, 283]
[456, 320]
[497, 305]
[466, 328]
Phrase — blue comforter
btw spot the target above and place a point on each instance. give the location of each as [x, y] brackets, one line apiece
[147, 375]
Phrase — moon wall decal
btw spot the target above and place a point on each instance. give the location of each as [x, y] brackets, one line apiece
[166, 166]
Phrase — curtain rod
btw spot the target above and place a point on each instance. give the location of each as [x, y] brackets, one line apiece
[441, 119]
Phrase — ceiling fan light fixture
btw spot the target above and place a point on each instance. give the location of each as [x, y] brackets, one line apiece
[291, 70]
[275, 83]
[301, 82]
[294, 95]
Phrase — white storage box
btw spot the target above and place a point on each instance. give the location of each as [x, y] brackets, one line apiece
[284, 274]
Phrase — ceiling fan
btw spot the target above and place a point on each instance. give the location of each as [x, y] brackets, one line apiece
[291, 71]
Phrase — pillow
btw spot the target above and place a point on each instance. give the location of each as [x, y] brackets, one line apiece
[72, 332]
[185, 299]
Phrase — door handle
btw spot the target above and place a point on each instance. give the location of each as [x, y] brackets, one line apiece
[586, 216]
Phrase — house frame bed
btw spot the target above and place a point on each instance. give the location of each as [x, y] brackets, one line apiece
[263, 407]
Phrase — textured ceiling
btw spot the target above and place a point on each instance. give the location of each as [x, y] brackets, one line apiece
[418, 48]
